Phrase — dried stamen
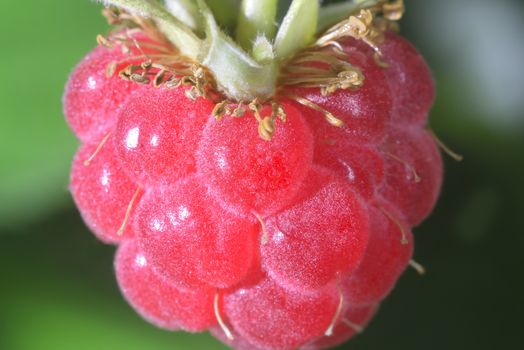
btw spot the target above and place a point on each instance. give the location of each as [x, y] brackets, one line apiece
[421, 270]
[457, 157]
[356, 327]
[88, 161]
[266, 125]
[111, 69]
[416, 177]
[330, 118]
[128, 211]
[220, 321]
[265, 237]
[366, 26]
[103, 41]
[239, 111]
[278, 111]
[404, 238]
[221, 109]
[329, 331]
[333, 73]
[393, 11]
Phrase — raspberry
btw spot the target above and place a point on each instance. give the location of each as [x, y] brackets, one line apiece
[264, 190]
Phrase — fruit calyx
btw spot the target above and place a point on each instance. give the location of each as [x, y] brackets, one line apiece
[190, 49]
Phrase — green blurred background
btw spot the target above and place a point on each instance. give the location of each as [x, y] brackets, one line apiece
[57, 289]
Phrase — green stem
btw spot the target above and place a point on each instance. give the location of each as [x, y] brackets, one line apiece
[226, 12]
[186, 11]
[334, 13]
[239, 76]
[297, 29]
[256, 18]
[176, 31]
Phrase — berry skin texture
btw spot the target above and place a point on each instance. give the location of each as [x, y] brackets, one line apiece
[284, 319]
[157, 299]
[280, 223]
[160, 147]
[101, 190]
[414, 172]
[89, 111]
[365, 112]
[191, 240]
[250, 174]
[313, 242]
[91, 99]
[409, 77]
[384, 261]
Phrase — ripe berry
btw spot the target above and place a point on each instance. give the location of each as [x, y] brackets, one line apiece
[263, 190]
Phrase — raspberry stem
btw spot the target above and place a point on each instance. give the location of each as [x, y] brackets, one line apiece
[298, 28]
[256, 18]
[334, 13]
[249, 69]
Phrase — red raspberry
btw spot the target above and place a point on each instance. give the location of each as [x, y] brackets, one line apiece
[269, 196]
